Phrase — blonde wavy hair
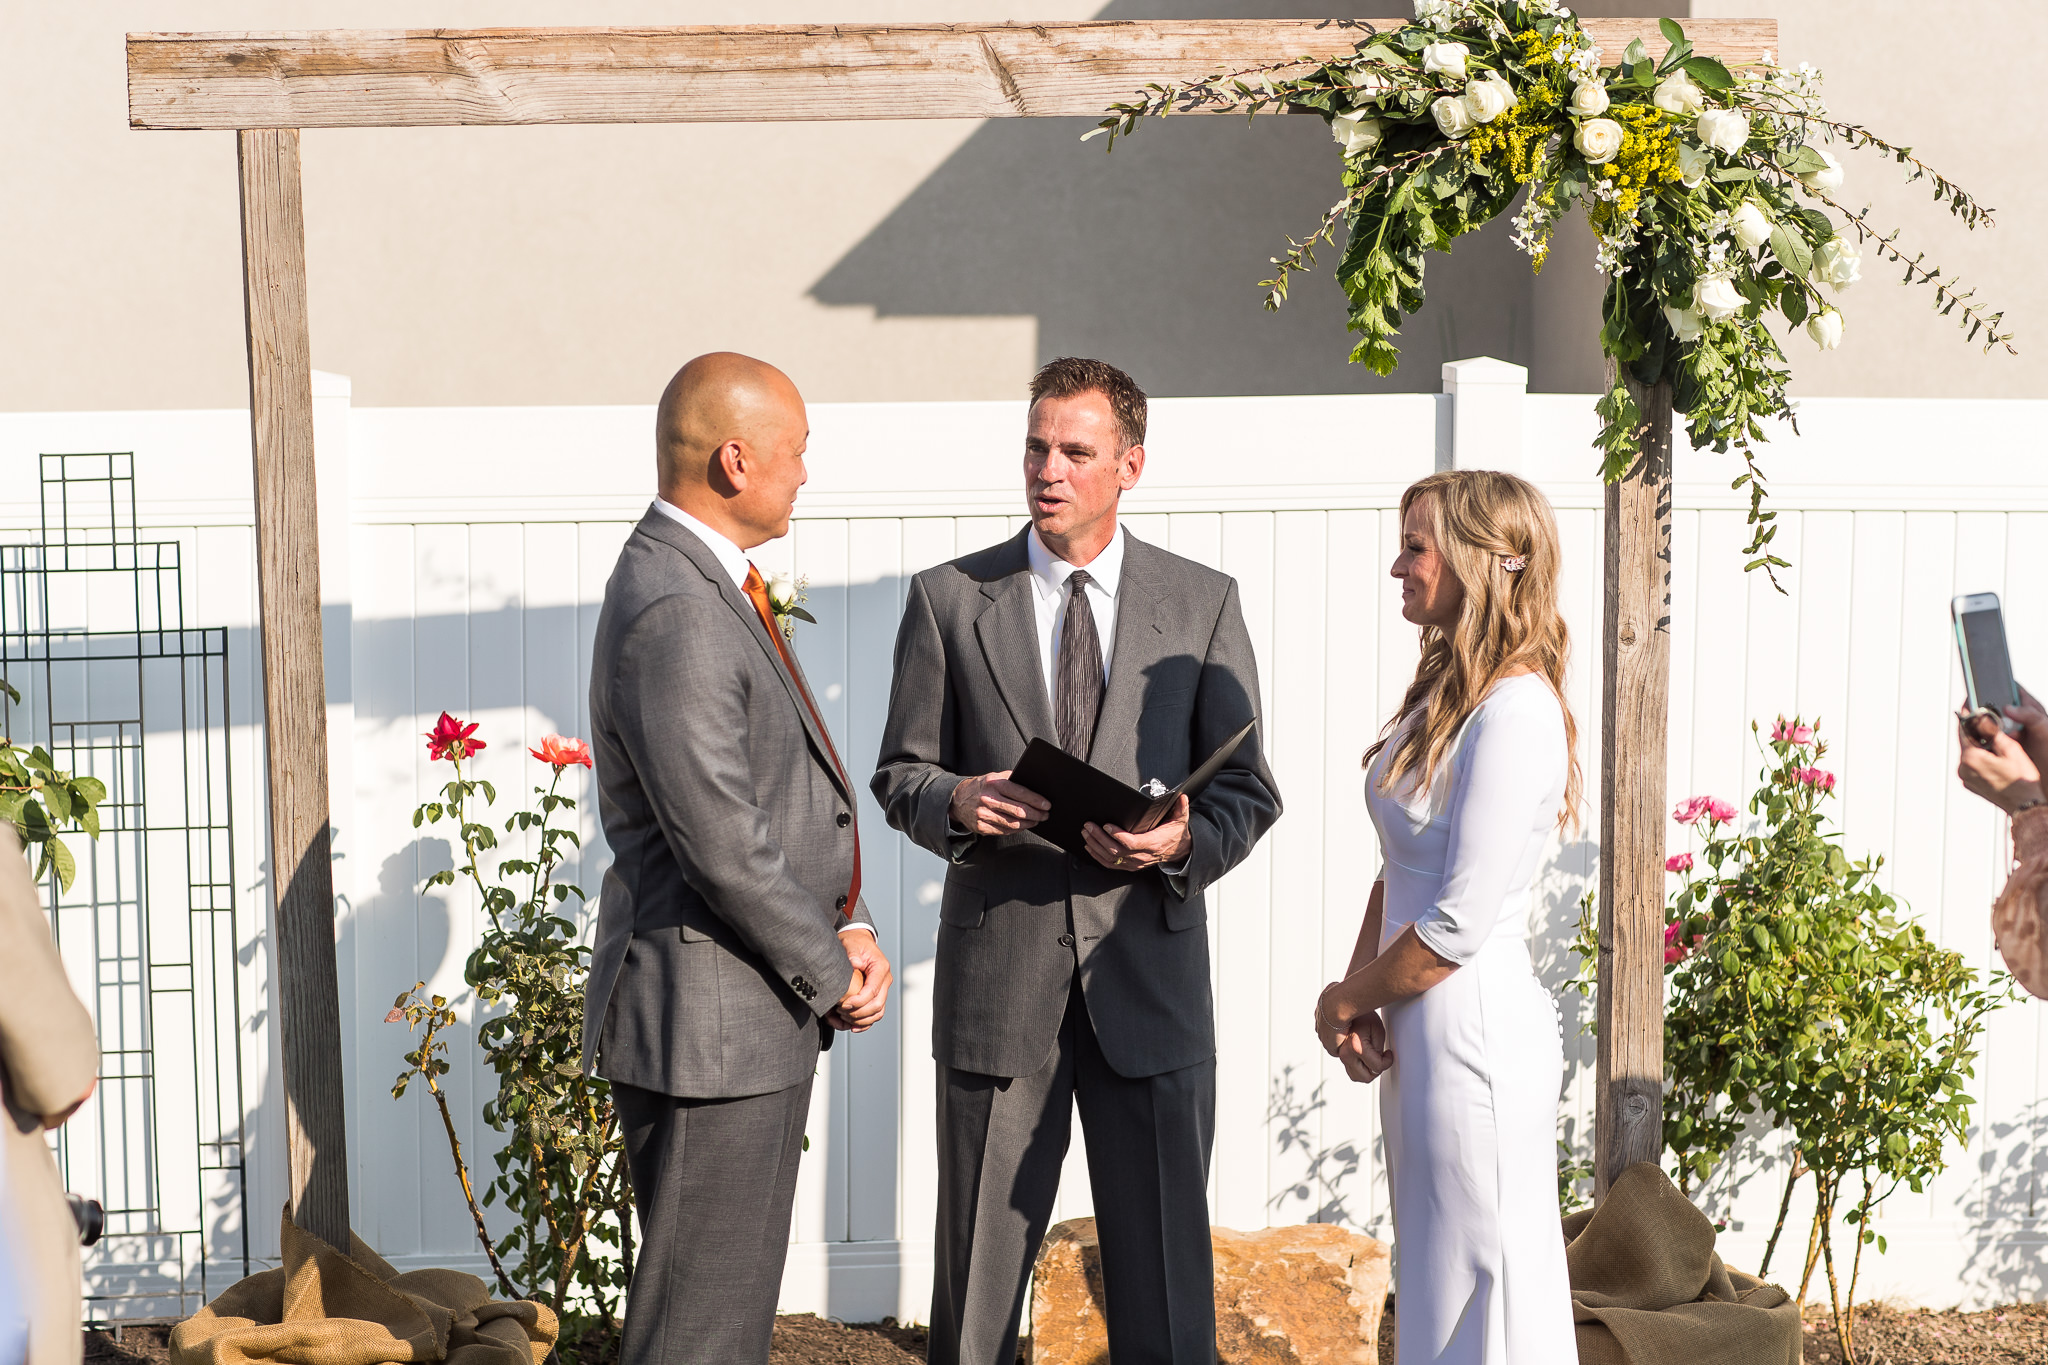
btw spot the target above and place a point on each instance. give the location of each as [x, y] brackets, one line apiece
[1508, 623]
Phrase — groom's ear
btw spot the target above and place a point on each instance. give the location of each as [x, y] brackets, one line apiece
[728, 468]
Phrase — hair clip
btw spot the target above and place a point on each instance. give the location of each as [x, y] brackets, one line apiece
[1514, 563]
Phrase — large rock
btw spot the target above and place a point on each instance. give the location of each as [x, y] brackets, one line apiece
[1308, 1295]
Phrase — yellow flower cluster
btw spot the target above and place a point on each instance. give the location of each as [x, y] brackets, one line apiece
[1647, 161]
[1517, 142]
[1519, 137]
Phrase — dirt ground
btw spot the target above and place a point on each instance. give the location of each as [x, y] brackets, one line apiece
[2016, 1334]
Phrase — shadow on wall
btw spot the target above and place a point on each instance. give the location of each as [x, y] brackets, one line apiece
[2006, 1257]
[1151, 257]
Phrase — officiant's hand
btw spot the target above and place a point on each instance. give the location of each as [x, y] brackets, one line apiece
[993, 804]
[1364, 1051]
[1121, 851]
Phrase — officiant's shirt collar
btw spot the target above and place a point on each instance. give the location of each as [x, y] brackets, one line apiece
[1051, 574]
[730, 557]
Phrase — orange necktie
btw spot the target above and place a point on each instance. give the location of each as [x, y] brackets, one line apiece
[756, 589]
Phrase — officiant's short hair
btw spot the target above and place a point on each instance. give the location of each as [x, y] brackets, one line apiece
[1071, 375]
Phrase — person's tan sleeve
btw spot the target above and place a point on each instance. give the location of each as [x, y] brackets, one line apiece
[2019, 917]
[47, 1047]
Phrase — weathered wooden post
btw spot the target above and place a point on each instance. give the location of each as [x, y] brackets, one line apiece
[294, 682]
[1635, 684]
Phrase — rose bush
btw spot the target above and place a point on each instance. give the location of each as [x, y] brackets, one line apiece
[1798, 995]
[561, 1170]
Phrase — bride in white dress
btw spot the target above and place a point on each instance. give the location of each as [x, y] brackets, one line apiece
[1465, 786]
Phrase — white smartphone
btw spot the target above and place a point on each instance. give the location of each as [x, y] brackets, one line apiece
[1988, 683]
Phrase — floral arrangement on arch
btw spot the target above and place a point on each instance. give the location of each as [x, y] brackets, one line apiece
[1710, 190]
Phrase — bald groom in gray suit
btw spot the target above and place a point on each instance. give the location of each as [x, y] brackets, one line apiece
[731, 938]
[1060, 978]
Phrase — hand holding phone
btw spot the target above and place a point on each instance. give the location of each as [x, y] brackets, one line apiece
[1988, 682]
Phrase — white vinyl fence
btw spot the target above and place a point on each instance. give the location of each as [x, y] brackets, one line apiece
[464, 553]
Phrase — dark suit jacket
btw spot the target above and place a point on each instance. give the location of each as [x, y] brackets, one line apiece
[732, 845]
[969, 694]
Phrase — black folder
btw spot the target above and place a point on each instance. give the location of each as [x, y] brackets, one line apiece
[1080, 793]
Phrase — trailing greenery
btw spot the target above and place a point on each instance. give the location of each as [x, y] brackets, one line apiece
[561, 1171]
[38, 798]
[1710, 190]
[1798, 995]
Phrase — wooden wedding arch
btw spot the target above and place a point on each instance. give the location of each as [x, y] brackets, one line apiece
[267, 86]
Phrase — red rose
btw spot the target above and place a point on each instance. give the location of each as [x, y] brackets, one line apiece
[450, 739]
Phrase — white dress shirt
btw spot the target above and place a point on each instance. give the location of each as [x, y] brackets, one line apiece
[734, 561]
[730, 557]
[1050, 595]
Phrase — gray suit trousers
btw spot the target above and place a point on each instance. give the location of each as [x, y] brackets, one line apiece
[1001, 1143]
[714, 1181]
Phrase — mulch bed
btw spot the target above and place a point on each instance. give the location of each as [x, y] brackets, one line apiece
[2015, 1334]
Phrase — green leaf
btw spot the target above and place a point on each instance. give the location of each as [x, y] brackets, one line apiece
[1673, 34]
[800, 614]
[56, 854]
[1792, 251]
[1709, 74]
[8, 688]
[1802, 161]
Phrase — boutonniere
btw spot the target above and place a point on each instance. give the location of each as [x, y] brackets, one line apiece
[786, 597]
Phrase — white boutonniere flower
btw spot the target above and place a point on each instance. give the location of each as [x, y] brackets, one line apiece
[786, 597]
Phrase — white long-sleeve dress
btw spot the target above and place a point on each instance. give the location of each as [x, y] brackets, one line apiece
[1469, 1109]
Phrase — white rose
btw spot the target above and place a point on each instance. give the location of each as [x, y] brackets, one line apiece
[781, 589]
[1825, 327]
[1750, 226]
[1828, 177]
[1676, 94]
[1717, 297]
[1725, 130]
[1357, 131]
[1685, 324]
[1598, 139]
[1488, 98]
[1452, 117]
[1449, 58]
[1693, 165]
[1589, 99]
[1837, 262]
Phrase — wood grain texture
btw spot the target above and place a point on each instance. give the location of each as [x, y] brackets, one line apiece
[294, 686]
[1635, 691]
[757, 73]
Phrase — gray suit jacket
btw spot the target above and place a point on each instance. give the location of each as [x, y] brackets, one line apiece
[969, 695]
[717, 951]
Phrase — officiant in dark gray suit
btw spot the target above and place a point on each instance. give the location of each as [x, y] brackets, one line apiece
[731, 938]
[1062, 978]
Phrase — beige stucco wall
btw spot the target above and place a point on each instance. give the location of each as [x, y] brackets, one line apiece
[872, 260]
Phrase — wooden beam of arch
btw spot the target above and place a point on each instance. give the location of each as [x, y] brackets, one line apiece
[758, 73]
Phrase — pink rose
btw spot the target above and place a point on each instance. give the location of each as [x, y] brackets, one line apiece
[1693, 807]
[1815, 777]
[1720, 812]
[1789, 732]
[1676, 947]
[1678, 862]
[559, 752]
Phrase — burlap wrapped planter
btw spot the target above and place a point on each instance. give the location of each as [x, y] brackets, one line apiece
[1648, 1288]
[324, 1308]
